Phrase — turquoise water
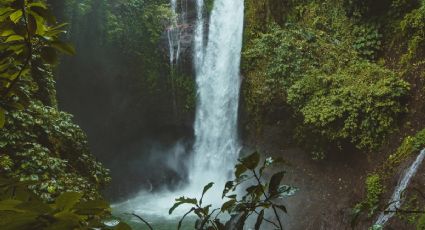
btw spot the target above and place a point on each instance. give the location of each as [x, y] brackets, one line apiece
[158, 223]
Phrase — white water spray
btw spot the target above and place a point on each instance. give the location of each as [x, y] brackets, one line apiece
[216, 141]
[216, 146]
[397, 199]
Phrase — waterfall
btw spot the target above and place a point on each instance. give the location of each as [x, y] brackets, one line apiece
[218, 79]
[174, 30]
[173, 34]
[216, 146]
[397, 199]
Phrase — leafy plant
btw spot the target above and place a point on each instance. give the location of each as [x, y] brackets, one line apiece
[367, 41]
[374, 190]
[21, 209]
[30, 43]
[258, 197]
[359, 103]
[42, 144]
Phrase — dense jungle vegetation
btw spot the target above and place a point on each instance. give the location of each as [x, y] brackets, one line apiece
[331, 76]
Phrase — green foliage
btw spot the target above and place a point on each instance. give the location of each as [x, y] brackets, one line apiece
[136, 26]
[413, 27]
[21, 209]
[311, 68]
[367, 41]
[359, 103]
[259, 197]
[313, 64]
[374, 191]
[421, 223]
[30, 42]
[186, 90]
[209, 5]
[42, 144]
[410, 145]
[370, 204]
[275, 60]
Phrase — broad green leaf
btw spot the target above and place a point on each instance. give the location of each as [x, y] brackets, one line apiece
[36, 206]
[68, 200]
[180, 201]
[6, 33]
[227, 187]
[38, 4]
[255, 190]
[18, 221]
[59, 26]
[92, 207]
[14, 38]
[2, 117]
[5, 10]
[260, 219]
[228, 205]
[16, 16]
[251, 161]
[66, 220]
[40, 21]
[275, 182]
[64, 47]
[207, 187]
[239, 170]
[10, 205]
[281, 207]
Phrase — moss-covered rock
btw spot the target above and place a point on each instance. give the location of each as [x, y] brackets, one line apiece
[317, 64]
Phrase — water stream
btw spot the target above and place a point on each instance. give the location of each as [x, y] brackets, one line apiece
[216, 146]
[397, 197]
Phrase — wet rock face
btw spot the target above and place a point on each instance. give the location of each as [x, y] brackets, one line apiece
[186, 26]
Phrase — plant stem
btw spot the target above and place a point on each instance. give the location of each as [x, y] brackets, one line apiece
[267, 220]
[144, 221]
[267, 198]
[28, 59]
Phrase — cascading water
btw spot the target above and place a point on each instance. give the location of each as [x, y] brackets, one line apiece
[173, 34]
[396, 199]
[216, 146]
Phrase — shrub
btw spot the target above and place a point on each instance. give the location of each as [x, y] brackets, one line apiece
[413, 27]
[275, 60]
[21, 209]
[409, 146]
[258, 197]
[42, 144]
[367, 41]
[359, 103]
[374, 190]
